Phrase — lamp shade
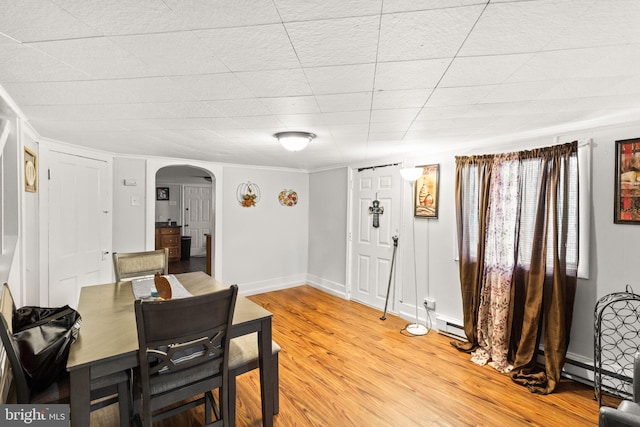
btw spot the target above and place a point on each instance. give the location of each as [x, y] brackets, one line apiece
[294, 141]
[410, 174]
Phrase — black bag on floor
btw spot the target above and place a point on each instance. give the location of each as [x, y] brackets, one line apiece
[44, 337]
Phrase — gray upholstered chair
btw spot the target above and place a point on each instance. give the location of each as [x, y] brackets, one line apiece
[184, 352]
[104, 391]
[132, 265]
[628, 412]
[243, 357]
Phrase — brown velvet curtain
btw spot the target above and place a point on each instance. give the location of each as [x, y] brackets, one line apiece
[472, 199]
[543, 283]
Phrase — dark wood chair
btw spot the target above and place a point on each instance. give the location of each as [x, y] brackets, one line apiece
[243, 357]
[114, 388]
[130, 265]
[184, 352]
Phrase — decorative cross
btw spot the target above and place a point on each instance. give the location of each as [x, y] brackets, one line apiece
[376, 210]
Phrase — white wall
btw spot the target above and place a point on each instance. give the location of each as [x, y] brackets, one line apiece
[328, 219]
[265, 245]
[129, 205]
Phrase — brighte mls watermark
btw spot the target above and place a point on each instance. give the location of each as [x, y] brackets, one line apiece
[34, 415]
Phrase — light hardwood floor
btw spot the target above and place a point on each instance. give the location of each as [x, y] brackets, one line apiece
[341, 365]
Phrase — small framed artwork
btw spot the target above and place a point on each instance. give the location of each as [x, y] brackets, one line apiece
[426, 192]
[627, 182]
[30, 171]
[162, 193]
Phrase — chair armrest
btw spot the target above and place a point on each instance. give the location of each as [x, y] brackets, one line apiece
[612, 417]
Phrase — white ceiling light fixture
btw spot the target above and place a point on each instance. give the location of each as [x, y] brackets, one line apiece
[294, 141]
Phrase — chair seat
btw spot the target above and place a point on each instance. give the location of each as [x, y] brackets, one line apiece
[244, 350]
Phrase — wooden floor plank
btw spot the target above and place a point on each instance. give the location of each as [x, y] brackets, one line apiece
[341, 365]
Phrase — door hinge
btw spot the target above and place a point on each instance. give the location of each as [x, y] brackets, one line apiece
[49, 174]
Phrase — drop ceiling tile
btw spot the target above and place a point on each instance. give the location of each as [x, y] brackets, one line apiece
[295, 10]
[341, 79]
[99, 57]
[458, 96]
[376, 128]
[442, 112]
[259, 122]
[390, 99]
[155, 89]
[223, 13]
[622, 60]
[584, 87]
[191, 109]
[213, 86]
[180, 53]
[520, 27]
[394, 6]
[600, 24]
[291, 105]
[302, 121]
[66, 93]
[123, 17]
[559, 64]
[22, 63]
[397, 115]
[427, 34]
[521, 91]
[483, 70]
[259, 47]
[336, 41]
[346, 117]
[416, 74]
[31, 20]
[275, 83]
[240, 107]
[344, 102]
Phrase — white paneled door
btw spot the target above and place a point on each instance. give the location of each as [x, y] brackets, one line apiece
[197, 216]
[79, 227]
[373, 246]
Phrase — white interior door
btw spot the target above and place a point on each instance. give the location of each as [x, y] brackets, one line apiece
[373, 246]
[197, 216]
[79, 228]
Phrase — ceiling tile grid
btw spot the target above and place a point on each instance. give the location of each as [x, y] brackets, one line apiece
[214, 80]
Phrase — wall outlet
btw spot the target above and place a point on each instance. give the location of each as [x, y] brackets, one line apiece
[430, 303]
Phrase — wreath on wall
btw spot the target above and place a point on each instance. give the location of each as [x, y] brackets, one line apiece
[288, 198]
[248, 194]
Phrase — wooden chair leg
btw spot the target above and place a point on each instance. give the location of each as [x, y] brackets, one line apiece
[231, 394]
[276, 384]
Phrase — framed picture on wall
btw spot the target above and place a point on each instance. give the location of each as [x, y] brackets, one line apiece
[426, 192]
[162, 193]
[627, 182]
[30, 171]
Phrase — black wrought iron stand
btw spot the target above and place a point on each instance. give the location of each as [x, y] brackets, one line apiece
[616, 341]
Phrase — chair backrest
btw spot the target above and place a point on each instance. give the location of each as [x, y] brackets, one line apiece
[184, 341]
[7, 308]
[140, 264]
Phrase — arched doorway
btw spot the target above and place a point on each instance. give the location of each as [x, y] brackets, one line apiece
[184, 216]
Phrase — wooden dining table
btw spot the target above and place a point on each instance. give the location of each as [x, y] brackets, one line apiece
[108, 340]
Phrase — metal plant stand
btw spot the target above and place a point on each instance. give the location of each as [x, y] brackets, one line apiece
[616, 341]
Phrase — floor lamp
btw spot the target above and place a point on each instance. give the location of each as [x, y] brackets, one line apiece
[411, 175]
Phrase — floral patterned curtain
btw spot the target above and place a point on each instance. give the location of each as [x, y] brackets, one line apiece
[524, 288]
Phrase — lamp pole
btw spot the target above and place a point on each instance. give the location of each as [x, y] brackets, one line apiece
[411, 175]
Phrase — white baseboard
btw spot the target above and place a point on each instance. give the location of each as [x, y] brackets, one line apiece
[334, 288]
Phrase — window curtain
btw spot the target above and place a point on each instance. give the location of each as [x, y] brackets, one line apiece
[516, 217]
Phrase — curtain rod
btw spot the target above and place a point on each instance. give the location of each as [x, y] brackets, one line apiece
[379, 166]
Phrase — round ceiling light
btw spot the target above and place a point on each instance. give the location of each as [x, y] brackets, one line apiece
[294, 141]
